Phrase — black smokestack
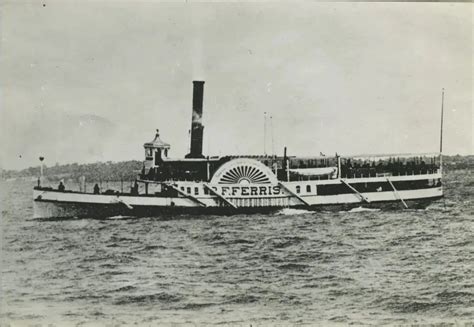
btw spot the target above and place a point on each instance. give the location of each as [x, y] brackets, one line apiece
[196, 124]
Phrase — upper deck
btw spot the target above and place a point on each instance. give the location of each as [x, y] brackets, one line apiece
[294, 168]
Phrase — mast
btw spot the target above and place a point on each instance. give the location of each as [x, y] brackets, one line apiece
[441, 134]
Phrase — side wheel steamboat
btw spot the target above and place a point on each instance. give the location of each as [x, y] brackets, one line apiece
[234, 184]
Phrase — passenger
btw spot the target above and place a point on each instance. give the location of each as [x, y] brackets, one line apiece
[134, 189]
[61, 187]
[96, 189]
[151, 174]
[423, 168]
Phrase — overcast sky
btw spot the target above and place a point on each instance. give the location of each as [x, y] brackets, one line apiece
[91, 81]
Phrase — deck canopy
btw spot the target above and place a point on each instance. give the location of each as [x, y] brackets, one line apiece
[315, 171]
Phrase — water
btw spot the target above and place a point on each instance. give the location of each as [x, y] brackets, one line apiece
[295, 267]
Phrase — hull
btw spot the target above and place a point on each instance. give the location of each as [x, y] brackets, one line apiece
[229, 200]
[46, 210]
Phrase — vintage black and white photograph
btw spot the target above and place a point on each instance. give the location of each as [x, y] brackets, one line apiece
[236, 163]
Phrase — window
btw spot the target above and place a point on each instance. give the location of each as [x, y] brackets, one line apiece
[188, 189]
[148, 153]
[196, 191]
[206, 191]
[298, 189]
[308, 188]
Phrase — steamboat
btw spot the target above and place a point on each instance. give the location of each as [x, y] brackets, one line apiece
[253, 183]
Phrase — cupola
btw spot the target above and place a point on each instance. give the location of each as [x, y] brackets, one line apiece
[155, 151]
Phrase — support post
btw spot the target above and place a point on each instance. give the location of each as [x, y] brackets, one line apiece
[220, 196]
[287, 170]
[294, 194]
[396, 193]
[339, 175]
[363, 198]
[188, 196]
[121, 201]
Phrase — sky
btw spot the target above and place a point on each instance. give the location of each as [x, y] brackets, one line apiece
[87, 81]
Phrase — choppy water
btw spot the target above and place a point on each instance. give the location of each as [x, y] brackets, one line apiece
[296, 267]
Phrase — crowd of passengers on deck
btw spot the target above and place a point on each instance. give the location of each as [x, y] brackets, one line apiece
[392, 167]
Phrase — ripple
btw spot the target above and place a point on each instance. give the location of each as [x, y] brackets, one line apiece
[147, 299]
[294, 266]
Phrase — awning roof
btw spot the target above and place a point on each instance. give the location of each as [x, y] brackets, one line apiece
[314, 171]
[157, 142]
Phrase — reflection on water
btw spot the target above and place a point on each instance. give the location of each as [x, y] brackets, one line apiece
[361, 267]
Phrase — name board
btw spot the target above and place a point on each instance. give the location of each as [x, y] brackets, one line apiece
[248, 191]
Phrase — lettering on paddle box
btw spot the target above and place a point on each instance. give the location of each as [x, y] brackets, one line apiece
[248, 191]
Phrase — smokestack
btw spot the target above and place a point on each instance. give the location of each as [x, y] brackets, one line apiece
[196, 124]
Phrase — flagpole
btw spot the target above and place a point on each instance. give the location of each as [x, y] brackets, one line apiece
[441, 134]
[40, 179]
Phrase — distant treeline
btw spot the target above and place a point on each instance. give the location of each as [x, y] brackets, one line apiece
[458, 162]
[128, 170]
[99, 171]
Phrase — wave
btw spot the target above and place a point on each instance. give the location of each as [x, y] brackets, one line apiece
[120, 217]
[242, 299]
[294, 266]
[362, 209]
[281, 242]
[125, 289]
[152, 247]
[196, 306]
[148, 298]
[414, 307]
[292, 212]
[455, 296]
